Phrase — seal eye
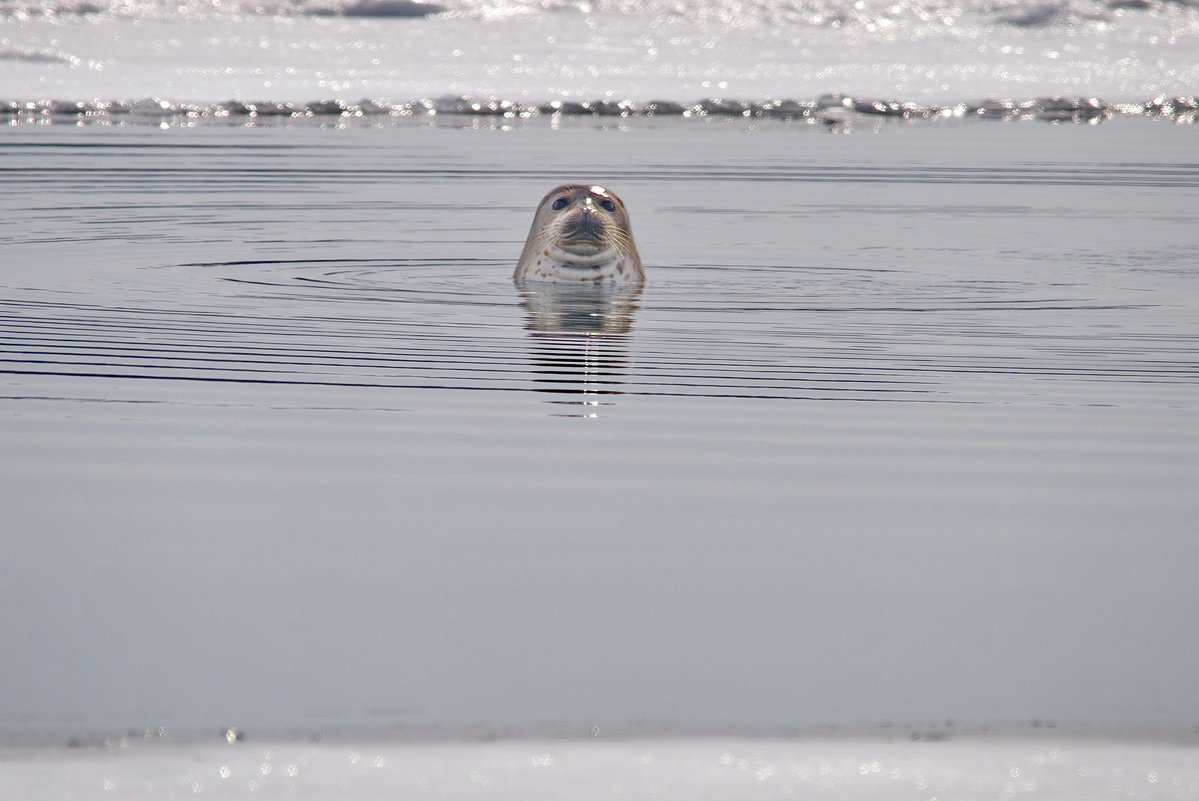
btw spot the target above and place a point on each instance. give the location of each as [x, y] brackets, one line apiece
[608, 204]
[560, 203]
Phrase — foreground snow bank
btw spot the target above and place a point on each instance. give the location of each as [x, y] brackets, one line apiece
[1041, 767]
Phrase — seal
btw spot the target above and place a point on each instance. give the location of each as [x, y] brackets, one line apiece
[581, 234]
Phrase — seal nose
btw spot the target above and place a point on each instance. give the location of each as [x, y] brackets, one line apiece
[586, 223]
[590, 221]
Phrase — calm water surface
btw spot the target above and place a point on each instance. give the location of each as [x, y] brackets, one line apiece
[903, 427]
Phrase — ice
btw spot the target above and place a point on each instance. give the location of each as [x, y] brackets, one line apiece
[1043, 767]
[537, 52]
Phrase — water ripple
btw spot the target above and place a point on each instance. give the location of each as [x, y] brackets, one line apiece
[281, 266]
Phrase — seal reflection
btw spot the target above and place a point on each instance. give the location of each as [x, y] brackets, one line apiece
[578, 340]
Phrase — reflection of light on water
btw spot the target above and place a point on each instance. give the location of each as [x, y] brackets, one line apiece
[591, 414]
[593, 373]
[578, 341]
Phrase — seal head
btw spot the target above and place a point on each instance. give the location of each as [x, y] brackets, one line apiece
[581, 234]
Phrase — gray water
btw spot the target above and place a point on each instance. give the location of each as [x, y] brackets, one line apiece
[903, 427]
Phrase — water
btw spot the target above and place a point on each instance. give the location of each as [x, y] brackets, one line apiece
[883, 486]
[902, 428]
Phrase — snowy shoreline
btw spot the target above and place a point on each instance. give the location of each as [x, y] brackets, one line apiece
[1050, 764]
[32, 738]
[829, 109]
